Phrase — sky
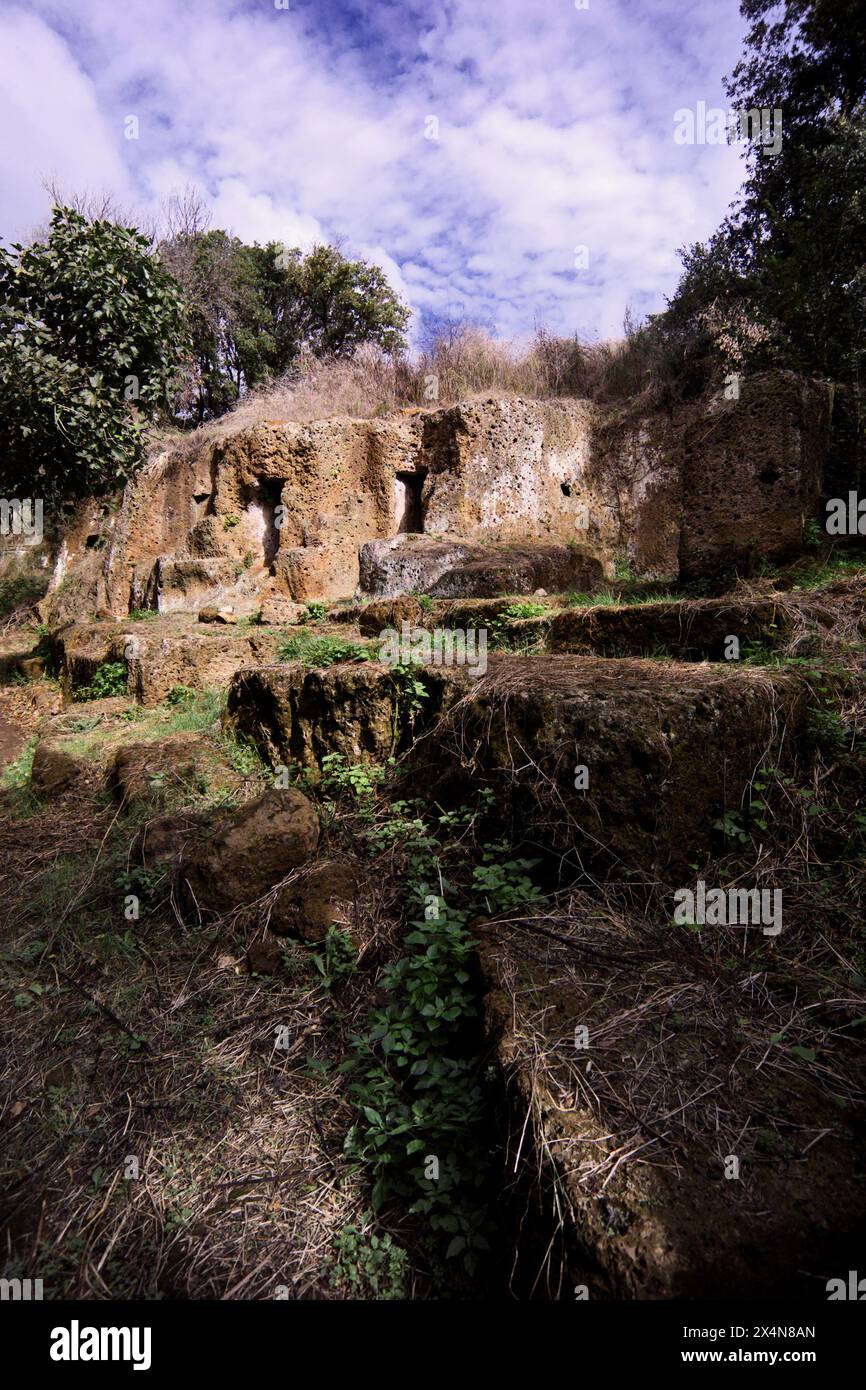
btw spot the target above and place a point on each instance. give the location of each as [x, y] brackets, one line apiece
[506, 162]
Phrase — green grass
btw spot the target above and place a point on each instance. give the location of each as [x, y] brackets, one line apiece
[322, 651]
[17, 773]
[607, 598]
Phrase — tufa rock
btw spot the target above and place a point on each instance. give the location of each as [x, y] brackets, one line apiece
[253, 848]
[216, 615]
[322, 898]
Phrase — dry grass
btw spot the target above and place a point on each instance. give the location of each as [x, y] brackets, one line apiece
[463, 364]
[149, 1040]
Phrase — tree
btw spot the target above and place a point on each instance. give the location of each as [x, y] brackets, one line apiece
[91, 334]
[784, 278]
[254, 309]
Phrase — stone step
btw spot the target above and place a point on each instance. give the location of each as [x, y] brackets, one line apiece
[666, 748]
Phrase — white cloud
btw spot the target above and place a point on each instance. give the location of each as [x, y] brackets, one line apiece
[52, 126]
[556, 128]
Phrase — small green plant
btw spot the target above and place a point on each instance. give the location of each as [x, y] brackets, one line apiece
[367, 1265]
[813, 534]
[142, 615]
[361, 779]
[230, 521]
[180, 695]
[504, 884]
[623, 567]
[314, 612]
[17, 773]
[108, 679]
[412, 694]
[321, 651]
[515, 611]
[732, 825]
[338, 959]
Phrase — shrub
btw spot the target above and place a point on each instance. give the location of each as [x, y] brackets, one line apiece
[108, 679]
[90, 335]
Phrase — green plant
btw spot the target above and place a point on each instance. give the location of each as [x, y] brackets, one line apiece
[412, 694]
[314, 612]
[813, 534]
[91, 332]
[504, 884]
[338, 959]
[361, 779]
[17, 772]
[418, 1087]
[367, 1265]
[180, 695]
[321, 651]
[230, 521]
[516, 611]
[622, 566]
[108, 679]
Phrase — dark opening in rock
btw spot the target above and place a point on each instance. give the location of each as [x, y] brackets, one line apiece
[269, 495]
[409, 502]
[565, 489]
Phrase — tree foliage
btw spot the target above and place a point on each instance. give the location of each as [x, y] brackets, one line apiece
[91, 333]
[784, 278]
[254, 309]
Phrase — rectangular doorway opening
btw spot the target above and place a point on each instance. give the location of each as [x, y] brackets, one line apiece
[409, 506]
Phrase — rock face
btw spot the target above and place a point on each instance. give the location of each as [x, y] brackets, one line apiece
[635, 1120]
[253, 848]
[178, 651]
[667, 748]
[692, 630]
[463, 569]
[281, 511]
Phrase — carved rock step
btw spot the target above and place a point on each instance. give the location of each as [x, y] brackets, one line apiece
[667, 747]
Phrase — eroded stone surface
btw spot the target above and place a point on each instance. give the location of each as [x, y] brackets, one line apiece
[668, 747]
[281, 510]
[644, 1072]
[462, 569]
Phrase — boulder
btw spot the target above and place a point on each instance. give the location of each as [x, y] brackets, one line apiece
[253, 848]
[385, 613]
[456, 568]
[163, 839]
[32, 667]
[264, 957]
[277, 611]
[216, 615]
[321, 898]
[149, 772]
